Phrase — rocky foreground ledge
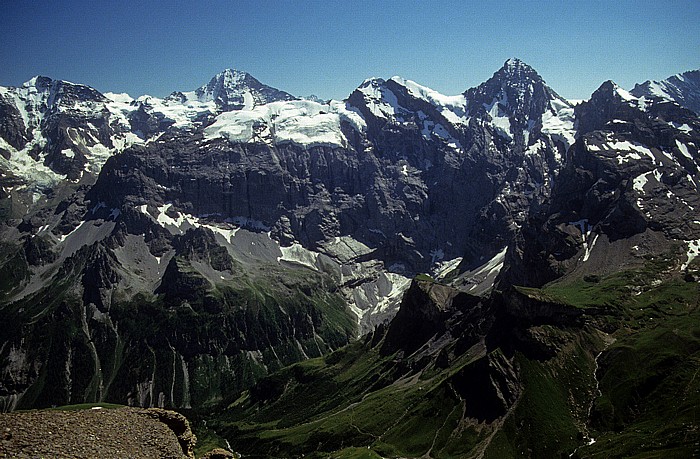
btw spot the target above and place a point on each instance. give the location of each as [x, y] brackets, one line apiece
[97, 432]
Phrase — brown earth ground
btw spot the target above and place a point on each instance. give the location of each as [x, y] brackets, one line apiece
[132, 433]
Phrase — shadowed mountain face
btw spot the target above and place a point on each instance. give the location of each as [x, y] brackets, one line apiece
[172, 252]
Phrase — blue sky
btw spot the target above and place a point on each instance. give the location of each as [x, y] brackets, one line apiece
[328, 48]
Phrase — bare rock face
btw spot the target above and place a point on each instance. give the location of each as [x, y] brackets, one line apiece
[427, 310]
[632, 171]
[180, 427]
[12, 127]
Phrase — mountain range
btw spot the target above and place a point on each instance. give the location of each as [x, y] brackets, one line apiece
[493, 259]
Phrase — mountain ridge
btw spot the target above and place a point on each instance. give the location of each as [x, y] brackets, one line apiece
[177, 251]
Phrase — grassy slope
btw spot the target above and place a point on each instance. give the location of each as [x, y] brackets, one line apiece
[343, 406]
[356, 403]
[649, 400]
[231, 314]
[323, 406]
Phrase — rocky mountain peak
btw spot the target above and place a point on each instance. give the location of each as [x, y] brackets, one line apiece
[516, 71]
[59, 91]
[38, 82]
[683, 88]
[611, 89]
[229, 79]
[515, 92]
[235, 90]
[608, 102]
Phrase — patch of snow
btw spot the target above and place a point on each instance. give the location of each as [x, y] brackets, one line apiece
[656, 89]
[586, 231]
[298, 254]
[639, 182]
[494, 265]
[63, 237]
[681, 127]
[625, 95]
[589, 248]
[399, 284]
[166, 220]
[670, 157]
[692, 253]
[559, 122]
[227, 233]
[248, 101]
[453, 108]
[250, 223]
[443, 268]
[683, 148]
[499, 119]
[626, 151]
[535, 148]
[631, 146]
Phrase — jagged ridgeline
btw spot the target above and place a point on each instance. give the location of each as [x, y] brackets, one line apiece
[459, 276]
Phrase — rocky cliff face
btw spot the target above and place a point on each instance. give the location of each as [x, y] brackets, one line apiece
[228, 231]
[631, 182]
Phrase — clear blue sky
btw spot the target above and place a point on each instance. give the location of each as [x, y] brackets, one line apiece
[329, 47]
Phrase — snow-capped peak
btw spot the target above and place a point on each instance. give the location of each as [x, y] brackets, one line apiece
[514, 71]
[682, 88]
[430, 95]
[35, 81]
[516, 89]
[611, 89]
[237, 90]
[379, 99]
[372, 82]
[228, 80]
[453, 108]
[224, 84]
[515, 64]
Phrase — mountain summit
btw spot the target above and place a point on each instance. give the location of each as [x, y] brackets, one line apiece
[517, 91]
[237, 90]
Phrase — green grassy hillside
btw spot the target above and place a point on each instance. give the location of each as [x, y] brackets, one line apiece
[597, 367]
